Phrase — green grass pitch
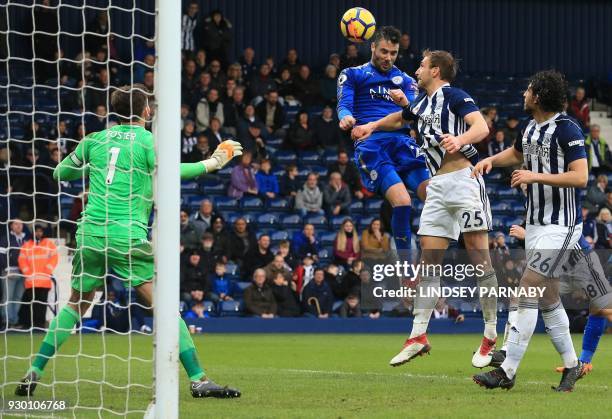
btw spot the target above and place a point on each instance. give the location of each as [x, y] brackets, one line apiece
[318, 376]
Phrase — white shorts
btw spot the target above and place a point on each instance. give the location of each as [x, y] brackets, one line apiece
[585, 273]
[455, 203]
[548, 247]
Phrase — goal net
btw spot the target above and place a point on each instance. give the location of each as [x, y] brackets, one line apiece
[60, 61]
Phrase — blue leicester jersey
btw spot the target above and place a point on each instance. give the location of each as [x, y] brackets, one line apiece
[363, 92]
[441, 113]
[550, 147]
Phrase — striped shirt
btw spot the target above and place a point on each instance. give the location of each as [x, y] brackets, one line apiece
[441, 113]
[549, 147]
[188, 25]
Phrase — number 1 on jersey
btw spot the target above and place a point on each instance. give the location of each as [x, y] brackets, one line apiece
[112, 164]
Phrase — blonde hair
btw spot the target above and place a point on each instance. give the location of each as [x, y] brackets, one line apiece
[341, 237]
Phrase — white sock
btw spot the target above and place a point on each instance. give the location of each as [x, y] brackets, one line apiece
[424, 304]
[488, 304]
[557, 326]
[520, 333]
[512, 313]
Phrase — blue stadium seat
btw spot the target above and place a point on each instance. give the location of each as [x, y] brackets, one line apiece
[279, 235]
[189, 186]
[279, 204]
[498, 223]
[336, 221]
[319, 221]
[274, 142]
[330, 156]
[309, 157]
[319, 170]
[324, 254]
[226, 171]
[209, 307]
[327, 238]
[356, 207]
[230, 308]
[226, 202]
[518, 208]
[267, 220]
[364, 222]
[500, 208]
[491, 192]
[291, 221]
[216, 189]
[415, 223]
[251, 202]
[239, 288]
[285, 157]
[494, 175]
[417, 205]
[507, 193]
[231, 268]
[373, 206]
[509, 221]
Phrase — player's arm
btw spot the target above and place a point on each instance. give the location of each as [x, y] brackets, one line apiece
[74, 165]
[509, 157]
[576, 176]
[345, 93]
[391, 122]
[218, 160]
[476, 132]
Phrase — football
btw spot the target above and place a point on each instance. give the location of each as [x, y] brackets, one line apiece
[357, 24]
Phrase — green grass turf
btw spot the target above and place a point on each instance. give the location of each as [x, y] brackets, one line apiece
[320, 376]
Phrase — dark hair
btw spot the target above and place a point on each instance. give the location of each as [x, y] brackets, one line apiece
[388, 33]
[129, 102]
[445, 61]
[550, 87]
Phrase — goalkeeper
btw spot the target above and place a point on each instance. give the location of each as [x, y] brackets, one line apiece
[112, 232]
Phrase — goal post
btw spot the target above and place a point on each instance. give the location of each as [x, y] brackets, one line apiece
[167, 239]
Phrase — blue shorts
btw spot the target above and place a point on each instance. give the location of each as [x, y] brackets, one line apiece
[384, 161]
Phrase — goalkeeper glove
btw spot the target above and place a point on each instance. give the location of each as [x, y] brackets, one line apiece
[221, 157]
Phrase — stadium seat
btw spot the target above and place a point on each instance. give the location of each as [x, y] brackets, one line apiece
[330, 156]
[319, 221]
[336, 221]
[231, 268]
[336, 306]
[500, 208]
[356, 207]
[230, 308]
[226, 171]
[417, 205]
[415, 224]
[507, 193]
[498, 223]
[225, 202]
[285, 157]
[373, 206]
[327, 238]
[216, 189]
[309, 157]
[251, 202]
[279, 235]
[267, 220]
[291, 221]
[274, 142]
[319, 170]
[509, 221]
[209, 307]
[324, 255]
[364, 222]
[518, 208]
[279, 204]
[239, 288]
[189, 186]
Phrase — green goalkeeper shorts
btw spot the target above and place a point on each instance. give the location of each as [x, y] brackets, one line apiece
[98, 256]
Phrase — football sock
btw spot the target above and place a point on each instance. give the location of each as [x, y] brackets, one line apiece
[424, 304]
[188, 354]
[557, 326]
[400, 224]
[488, 304]
[520, 333]
[592, 332]
[59, 330]
[512, 313]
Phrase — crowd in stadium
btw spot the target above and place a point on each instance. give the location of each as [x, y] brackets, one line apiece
[290, 220]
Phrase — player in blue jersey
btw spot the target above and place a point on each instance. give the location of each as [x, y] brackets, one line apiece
[389, 162]
[552, 149]
[449, 123]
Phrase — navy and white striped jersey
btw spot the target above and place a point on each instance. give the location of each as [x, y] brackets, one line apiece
[188, 25]
[550, 147]
[442, 113]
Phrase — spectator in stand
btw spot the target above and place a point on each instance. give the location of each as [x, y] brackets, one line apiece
[272, 114]
[242, 240]
[326, 130]
[193, 274]
[289, 184]
[228, 90]
[215, 36]
[510, 274]
[190, 238]
[443, 310]
[202, 219]
[247, 63]
[207, 108]
[351, 57]
[609, 201]
[222, 244]
[350, 307]
[252, 133]
[96, 92]
[189, 82]
[336, 196]
[12, 283]
[305, 243]
[349, 283]
[259, 298]
[208, 253]
[579, 108]
[195, 301]
[499, 143]
[200, 61]
[346, 244]
[188, 25]
[261, 83]
[327, 86]
[97, 122]
[408, 57]
[188, 140]
[511, 130]
[215, 133]
[589, 226]
[301, 135]
[317, 297]
[284, 249]
[141, 69]
[267, 183]
[45, 41]
[201, 151]
[375, 243]
[285, 84]
[217, 77]
[291, 63]
[369, 303]
[349, 173]
[284, 295]
[604, 229]
[303, 273]
[234, 72]
[221, 284]
[37, 261]
[258, 256]
[333, 276]
[243, 178]
[306, 87]
[598, 153]
[272, 64]
[334, 59]
[276, 267]
[186, 114]
[233, 111]
[202, 86]
[500, 251]
[309, 199]
[597, 194]
[97, 34]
